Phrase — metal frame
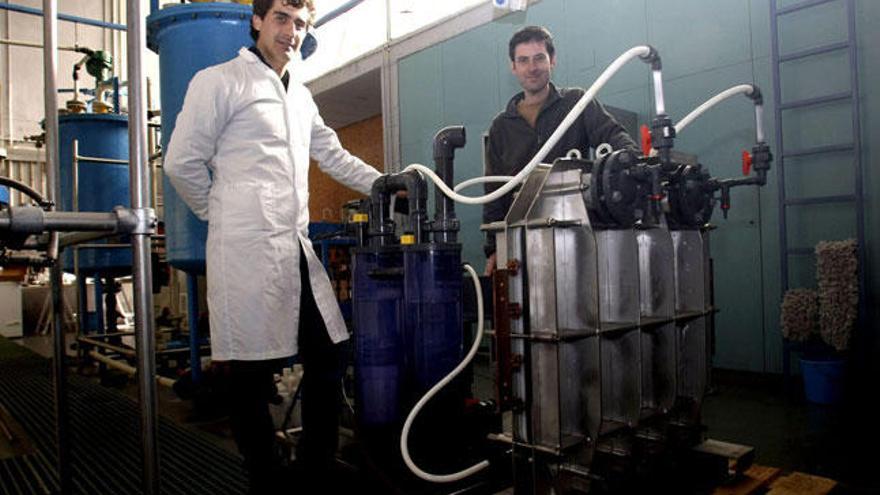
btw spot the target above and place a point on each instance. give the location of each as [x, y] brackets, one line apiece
[64, 17]
[857, 198]
[140, 240]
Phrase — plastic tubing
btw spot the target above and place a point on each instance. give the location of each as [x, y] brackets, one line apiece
[638, 51]
[480, 180]
[404, 434]
[746, 89]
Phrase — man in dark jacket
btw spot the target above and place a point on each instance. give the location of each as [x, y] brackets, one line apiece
[531, 116]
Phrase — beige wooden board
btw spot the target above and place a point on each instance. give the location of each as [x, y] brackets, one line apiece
[801, 484]
[326, 196]
[753, 479]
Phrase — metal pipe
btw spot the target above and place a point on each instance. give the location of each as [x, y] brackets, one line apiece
[139, 173]
[64, 17]
[102, 246]
[161, 380]
[100, 343]
[192, 314]
[75, 150]
[108, 161]
[33, 45]
[82, 237]
[50, 90]
[63, 221]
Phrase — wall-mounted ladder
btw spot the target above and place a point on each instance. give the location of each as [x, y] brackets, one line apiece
[783, 153]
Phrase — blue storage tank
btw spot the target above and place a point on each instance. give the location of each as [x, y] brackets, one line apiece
[379, 348]
[189, 38]
[101, 186]
[432, 288]
[4, 195]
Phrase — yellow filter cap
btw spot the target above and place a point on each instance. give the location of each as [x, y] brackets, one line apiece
[407, 239]
[360, 218]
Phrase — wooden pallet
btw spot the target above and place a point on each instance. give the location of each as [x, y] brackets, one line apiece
[769, 480]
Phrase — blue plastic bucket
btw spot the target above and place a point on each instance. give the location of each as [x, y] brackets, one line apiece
[823, 380]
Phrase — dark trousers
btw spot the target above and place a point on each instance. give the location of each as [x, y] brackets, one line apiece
[251, 387]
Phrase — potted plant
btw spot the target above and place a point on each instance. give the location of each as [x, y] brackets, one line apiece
[823, 320]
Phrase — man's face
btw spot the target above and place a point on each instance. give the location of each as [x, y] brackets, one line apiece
[281, 31]
[532, 65]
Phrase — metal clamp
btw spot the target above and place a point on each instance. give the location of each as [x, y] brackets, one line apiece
[138, 221]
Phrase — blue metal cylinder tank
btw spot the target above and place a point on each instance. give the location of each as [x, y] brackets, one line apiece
[4, 195]
[379, 348]
[101, 186]
[432, 288]
[189, 38]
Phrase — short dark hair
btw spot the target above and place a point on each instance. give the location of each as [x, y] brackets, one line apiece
[261, 7]
[527, 35]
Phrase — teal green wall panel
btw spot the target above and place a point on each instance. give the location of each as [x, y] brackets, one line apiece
[706, 46]
[693, 35]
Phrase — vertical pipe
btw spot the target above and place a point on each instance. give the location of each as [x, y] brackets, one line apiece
[143, 284]
[659, 102]
[82, 305]
[99, 305]
[192, 316]
[50, 91]
[759, 123]
[857, 152]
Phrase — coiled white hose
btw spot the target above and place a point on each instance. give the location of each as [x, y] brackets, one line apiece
[404, 434]
[746, 89]
[589, 95]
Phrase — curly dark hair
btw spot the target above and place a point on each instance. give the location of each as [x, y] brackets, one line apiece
[261, 7]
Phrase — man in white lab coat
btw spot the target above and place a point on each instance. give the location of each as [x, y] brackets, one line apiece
[239, 157]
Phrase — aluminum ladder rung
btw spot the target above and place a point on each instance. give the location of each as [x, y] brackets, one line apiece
[819, 200]
[801, 6]
[819, 150]
[809, 102]
[819, 50]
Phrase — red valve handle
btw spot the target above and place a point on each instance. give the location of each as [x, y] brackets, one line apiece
[747, 162]
[646, 140]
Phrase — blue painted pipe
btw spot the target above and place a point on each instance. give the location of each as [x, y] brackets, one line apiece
[64, 17]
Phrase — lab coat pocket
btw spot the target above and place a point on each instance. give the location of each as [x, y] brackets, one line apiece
[242, 209]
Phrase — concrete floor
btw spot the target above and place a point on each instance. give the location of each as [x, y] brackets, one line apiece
[743, 408]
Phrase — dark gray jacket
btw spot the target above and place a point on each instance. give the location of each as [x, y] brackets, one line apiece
[513, 142]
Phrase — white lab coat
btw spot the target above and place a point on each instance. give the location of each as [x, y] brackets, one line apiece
[239, 157]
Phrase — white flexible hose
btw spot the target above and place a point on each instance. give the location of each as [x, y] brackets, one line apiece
[404, 434]
[638, 51]
[479, 180]
[711, 102]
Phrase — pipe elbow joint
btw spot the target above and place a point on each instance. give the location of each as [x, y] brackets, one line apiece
[653, 58]
[755, 95]
[447, 140]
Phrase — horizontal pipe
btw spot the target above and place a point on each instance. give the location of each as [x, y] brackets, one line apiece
[131, 370]
[103, 246]
[115, 348]
[63, 17]
[81, 237]
[58, 221]
[97, 159]
[30, 44]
